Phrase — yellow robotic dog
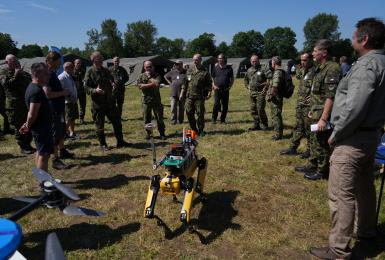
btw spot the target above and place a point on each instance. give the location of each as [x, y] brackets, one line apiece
[180, 164]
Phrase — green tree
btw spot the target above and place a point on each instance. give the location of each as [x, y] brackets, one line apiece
[178, 48]
[321, 26]
[223, 48]
[93, 40]
[30, 51]
[343, 48]
[163, 47]
[7, 45]
[245, 44]
[45, 50]
[280, 41]
[139, 38]
[203, 44]
[110, 39]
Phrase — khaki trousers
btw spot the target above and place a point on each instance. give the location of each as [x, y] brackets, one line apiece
[352, 196]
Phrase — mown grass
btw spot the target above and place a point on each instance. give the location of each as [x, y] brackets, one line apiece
[257, 206]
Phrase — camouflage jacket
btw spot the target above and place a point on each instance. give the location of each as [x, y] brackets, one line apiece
[278, 81]
[78, 76]
[103, 78]
[198, 84]
[14, 87]
[120, 76]
[256, 79]
[324, 85]
[149, 94]
[305, 78]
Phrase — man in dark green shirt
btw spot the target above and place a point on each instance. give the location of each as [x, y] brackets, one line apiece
[120, 76]
[197, 89]
[99, 84]
[148, 82]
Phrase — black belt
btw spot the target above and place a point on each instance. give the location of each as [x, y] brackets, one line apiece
[368, 128]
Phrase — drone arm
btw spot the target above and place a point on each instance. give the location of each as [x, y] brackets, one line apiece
[24, 211]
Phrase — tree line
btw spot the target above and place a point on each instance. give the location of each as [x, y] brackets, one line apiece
[140, 39]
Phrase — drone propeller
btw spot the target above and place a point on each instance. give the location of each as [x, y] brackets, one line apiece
[29, 199]
[53, 249]
[80, 211]
[43, 176]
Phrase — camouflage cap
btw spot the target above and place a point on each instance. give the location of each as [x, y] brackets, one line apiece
[276, 59]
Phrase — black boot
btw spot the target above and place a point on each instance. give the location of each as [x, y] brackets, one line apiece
[305, 155]
[290, 151]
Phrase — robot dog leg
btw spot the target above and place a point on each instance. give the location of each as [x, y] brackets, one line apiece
[202, 169]
[152, 194]
[188, 199]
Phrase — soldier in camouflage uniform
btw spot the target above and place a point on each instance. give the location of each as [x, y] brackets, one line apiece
[78, 76]
[324, 85]
[197, 90]
[149, 82]
[120, 76]
[98, 83]
[256, 80]
[276, 98]
[2, 112]
[15, 82]
[304, 74]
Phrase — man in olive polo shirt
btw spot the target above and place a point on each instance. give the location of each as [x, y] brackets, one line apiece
[198, 89]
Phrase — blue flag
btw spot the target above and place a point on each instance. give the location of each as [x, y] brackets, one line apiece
[60, 69]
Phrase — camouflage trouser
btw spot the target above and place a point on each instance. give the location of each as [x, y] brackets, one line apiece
[319, 148]
[82, 104]
[302, 126]
[99, 114]
[17, 119]
[119, 96]
[196, 106]
[6, 126]
[257, 108]
[156, 107]
[276, 114]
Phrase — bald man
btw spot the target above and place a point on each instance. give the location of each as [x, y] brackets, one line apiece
[148, 82]
[197, 90]
[71, 107]
[15, 82]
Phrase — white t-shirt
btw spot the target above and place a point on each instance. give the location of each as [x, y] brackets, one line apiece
[68, 83]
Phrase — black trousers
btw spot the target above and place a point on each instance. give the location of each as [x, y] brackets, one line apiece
[221, 103]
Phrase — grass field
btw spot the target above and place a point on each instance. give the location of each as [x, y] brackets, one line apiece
[257, 206]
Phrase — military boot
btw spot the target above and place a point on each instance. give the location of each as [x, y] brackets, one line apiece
[290, 151]
[305, 155]
[255, 127]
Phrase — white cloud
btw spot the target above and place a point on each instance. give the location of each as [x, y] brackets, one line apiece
[4, 11]
[42, 7]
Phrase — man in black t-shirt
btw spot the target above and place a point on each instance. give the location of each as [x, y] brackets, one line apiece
[223, 79]
[39, 118]
[176, 78]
